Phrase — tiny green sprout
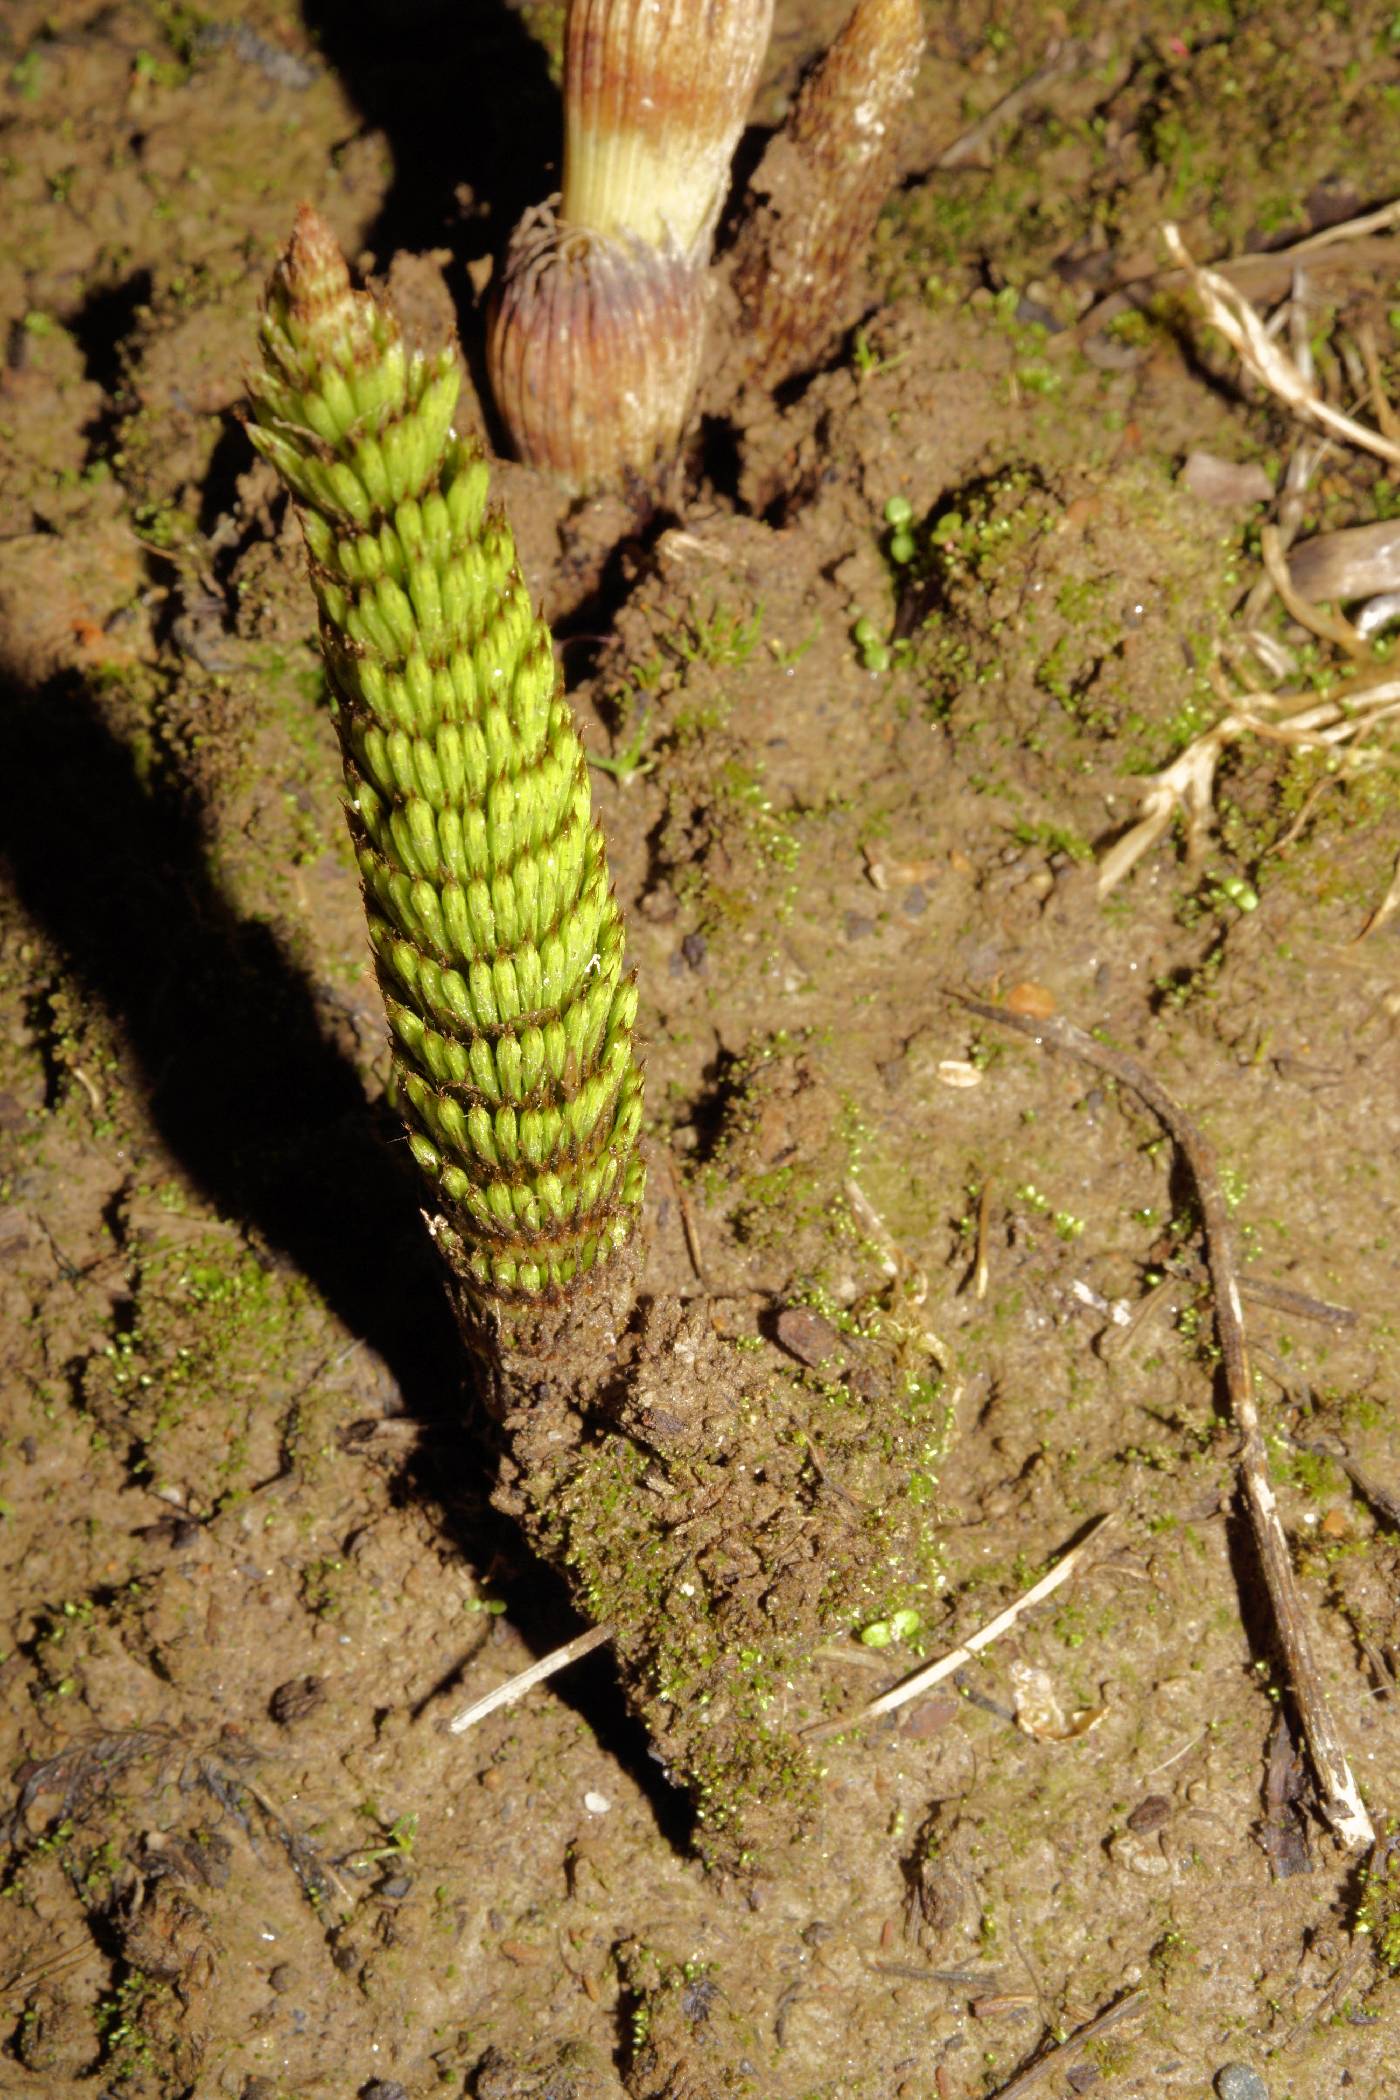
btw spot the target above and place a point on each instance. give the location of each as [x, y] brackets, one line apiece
[874, 653]
[1234, 1187]
[901, 1625]
[628, 763]
[399, 1839]
[899, 516]
[1240, 893]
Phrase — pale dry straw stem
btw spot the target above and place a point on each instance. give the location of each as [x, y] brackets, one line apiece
[1306, 457]
[873, 1225]
[525, 1680]
[897, 1266]
[1327, 626]
[1346, 230]
[934, 1673]
[1380, 401]
[1187, 784]
[1254, 263]
[1228, 311]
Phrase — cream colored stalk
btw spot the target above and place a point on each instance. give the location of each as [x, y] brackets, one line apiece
[596, 335]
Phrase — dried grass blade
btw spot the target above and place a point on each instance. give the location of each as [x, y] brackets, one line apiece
[525, 1680]
[1228, 311]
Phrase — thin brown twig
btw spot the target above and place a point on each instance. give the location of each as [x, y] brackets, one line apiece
[1383, 912]
[1381, 1499]
[1339, 1796]
[689, 1227]
[1063, 55]
[1361, 1957]
[60, 1963]
[981, 1267]
[305, 1860]
[1282, 1299]
[1058, 2054]
[1310, 801]
[1304, 460]
[1116, 1344]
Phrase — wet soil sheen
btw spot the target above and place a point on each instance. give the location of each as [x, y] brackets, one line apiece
[868, 700]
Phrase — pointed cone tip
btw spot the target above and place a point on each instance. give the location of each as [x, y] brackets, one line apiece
[313, 255]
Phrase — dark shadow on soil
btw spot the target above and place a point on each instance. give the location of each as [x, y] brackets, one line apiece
[103, 322]
[1261, 1637]
[270, 1121]
[539, 1608]
[240, 1082]
[101, 327]
[585, 634]
[463, 95]
[232, 457]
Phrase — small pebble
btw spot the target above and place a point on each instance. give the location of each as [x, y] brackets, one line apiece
[1150, 1814]
[1226, 483]
[915, 902]
[1239, 2082]
[806, 1335]
[693, 948]
[1031, 999]
[859, 926]
[955, 1071]
[596, 1804]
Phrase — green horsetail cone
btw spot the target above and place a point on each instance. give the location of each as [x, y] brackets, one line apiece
[498, 942]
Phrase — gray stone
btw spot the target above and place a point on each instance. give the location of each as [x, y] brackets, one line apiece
[1239, 2082]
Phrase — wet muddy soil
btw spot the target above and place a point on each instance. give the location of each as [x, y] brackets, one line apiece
[868, 705]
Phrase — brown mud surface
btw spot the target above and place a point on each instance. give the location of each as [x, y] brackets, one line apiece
[248, 1561]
